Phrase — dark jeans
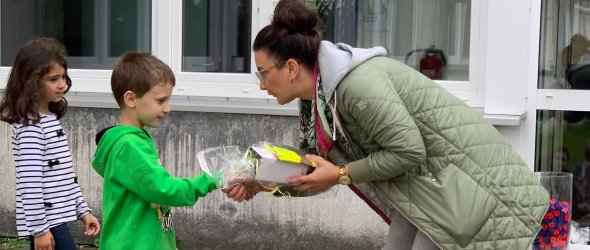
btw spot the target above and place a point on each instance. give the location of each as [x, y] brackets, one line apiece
[61, 236]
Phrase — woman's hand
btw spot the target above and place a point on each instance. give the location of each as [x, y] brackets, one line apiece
[322, 178]
[44, 242]
[92, 225]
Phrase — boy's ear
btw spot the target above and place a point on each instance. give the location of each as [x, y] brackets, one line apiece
[129, 99]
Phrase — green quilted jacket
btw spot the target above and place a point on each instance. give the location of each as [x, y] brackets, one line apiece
[432, 157]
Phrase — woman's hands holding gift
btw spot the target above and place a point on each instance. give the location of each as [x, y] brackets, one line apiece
[321, 179]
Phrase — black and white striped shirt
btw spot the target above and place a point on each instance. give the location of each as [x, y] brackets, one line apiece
[47, 191]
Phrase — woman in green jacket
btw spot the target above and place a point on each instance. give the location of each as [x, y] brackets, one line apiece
[424, 160]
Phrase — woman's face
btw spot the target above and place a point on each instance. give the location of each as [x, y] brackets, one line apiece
[274, 77]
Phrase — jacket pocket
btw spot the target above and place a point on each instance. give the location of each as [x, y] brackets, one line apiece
[454, 202]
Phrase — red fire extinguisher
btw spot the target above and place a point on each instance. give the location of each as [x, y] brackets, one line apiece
[432, 64]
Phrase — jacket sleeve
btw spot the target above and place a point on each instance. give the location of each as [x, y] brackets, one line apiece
[29, 177]
[379, 114]
[137, 169]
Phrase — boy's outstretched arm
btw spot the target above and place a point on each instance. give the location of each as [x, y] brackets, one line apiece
[136, 168]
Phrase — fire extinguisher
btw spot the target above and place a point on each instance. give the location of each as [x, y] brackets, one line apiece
[432, 64]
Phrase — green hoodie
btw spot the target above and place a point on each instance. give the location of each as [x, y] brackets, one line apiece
[138, 191]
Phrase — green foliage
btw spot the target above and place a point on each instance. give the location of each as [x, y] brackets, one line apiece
[13, 243]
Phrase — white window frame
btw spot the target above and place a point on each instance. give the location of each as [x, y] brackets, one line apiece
[490, 75]
[544, 99]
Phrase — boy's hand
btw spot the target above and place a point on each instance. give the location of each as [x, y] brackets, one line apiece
[91, 224]
[44, 242]
[239, 192]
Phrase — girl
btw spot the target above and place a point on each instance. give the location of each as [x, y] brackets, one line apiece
[47, 193]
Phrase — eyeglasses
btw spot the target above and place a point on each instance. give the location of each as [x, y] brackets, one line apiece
[260, 74]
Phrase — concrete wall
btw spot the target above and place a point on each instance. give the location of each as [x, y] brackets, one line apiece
[337, 220]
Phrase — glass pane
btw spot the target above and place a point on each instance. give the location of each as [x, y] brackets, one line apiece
[564, 47]
[216, 35]
[431, 36]
[95, 32]
[563, 145]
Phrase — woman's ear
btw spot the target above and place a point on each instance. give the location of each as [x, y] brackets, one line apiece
[293, 69]
[129, 99]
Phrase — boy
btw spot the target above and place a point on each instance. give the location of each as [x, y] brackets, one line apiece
[138, 191]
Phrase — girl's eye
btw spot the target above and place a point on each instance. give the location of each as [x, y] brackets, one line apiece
[57, 78]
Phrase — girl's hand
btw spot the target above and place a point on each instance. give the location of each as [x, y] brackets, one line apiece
[92, 225]
[322, 178]
[44, 242]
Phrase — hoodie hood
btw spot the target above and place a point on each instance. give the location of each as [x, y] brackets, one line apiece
[337, 60]
[106, 139]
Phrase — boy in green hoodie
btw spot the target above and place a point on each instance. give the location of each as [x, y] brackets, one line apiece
[138, 192]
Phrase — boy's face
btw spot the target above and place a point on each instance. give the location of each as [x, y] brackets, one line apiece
[153, 105]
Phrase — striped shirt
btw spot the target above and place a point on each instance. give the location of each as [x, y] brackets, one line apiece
[47, 191]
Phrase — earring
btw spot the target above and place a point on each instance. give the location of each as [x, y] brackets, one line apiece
[290, 79]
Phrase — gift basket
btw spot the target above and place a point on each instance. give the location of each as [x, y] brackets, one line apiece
[268, 164]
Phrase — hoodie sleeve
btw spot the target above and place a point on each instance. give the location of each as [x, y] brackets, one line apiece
[136, 168]
[379, 114]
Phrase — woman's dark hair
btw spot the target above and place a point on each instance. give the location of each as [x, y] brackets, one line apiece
[22, 95]
[293, 33]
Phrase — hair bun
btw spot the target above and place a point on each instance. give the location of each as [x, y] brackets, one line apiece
[295, 17]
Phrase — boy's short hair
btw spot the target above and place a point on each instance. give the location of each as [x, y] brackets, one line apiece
[138, 72]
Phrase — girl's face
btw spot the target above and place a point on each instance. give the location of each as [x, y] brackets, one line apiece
[274, 77]
[54, 86]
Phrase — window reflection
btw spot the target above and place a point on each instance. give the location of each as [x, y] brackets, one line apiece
[94, 32]
[565, 46]
[563, 145]
[431, 36]
[216, 35]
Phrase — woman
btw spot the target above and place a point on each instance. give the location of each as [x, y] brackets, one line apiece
[427, 162]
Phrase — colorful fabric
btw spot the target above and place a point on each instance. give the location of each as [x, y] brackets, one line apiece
[316, 136]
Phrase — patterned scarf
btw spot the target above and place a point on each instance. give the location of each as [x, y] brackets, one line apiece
[316, 137]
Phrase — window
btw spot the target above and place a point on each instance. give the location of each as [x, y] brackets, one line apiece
[430, 36]
[216, 36]
[565, 45]
[564, 146]
[562, 141]
[207, 43]
[94, 32]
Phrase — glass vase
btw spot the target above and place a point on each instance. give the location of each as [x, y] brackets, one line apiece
[556, 224]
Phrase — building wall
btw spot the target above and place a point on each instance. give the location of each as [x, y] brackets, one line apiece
[334, 220]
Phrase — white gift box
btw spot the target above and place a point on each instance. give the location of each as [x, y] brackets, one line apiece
[271, 169]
